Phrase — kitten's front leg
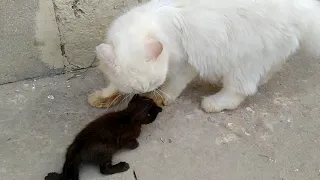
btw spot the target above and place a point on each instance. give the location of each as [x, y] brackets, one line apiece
[108, 168]
[132, 144]
[176, 82]
[105, 98]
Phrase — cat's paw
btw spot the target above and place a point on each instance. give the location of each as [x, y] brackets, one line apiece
[160, 98]
[155, 97]
[99, 100]
[218, 102]
[210, 106]
[169, 100]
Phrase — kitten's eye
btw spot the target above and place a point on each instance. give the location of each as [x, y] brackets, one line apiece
[148, 114]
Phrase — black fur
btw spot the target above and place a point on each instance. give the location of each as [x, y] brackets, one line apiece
[101, 138]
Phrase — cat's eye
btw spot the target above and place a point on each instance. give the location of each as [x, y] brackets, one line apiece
[148, 114]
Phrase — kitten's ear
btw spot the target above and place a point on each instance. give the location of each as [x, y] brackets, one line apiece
[135, 97]
[106, 54]
[154, 48]
[158, 109]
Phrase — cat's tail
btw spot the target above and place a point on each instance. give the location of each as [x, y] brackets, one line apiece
[71, 166]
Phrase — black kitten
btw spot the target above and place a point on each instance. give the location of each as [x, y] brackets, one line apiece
[100, 139]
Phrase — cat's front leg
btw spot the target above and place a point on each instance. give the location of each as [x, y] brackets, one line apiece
[222, 100]
[236, 87]
[176, 82]
[105, 98]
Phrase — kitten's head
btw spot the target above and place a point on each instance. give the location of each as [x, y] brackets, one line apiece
[143, 110]
[137, 67]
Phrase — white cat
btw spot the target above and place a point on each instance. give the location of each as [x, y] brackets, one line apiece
[165, 44]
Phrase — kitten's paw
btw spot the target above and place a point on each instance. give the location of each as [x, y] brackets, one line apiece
[52, 176]
[99, 100]
[123, 166]
[219, 102]
[132, 144]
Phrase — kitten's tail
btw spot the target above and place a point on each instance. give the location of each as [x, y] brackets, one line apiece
[70, 169]
[72, 163]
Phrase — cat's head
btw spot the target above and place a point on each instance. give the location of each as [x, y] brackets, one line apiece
[136, 68]
[143, 110]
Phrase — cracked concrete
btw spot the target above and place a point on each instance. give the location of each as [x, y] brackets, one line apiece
[272, 136]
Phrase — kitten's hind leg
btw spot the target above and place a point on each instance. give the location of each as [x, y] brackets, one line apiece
[101, 154]
[108, 168]
[105, 98]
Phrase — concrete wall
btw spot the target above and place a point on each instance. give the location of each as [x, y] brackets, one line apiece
[45, 37]
[83, 25]
[29, 40]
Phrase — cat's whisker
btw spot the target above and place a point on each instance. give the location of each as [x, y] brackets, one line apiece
[166, 94]
[159, 94]
[123, 100]
[114, 100]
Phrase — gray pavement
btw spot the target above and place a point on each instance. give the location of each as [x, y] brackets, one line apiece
[274, 135]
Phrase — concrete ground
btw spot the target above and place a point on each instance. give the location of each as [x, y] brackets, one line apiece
[272, 136]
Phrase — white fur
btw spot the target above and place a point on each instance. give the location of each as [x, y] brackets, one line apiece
[240, 43]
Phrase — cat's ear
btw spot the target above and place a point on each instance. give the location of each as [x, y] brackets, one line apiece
[154, 48]
[106, 54]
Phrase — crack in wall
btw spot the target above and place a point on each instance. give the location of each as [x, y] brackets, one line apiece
[76, 9]
[57, 17]
[73, 67]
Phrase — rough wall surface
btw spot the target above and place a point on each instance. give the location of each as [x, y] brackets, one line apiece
[29, 40]
[83, 24]
[44, 37]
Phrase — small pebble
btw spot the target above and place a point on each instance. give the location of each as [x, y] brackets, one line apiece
[50, 97]
[250, 109]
